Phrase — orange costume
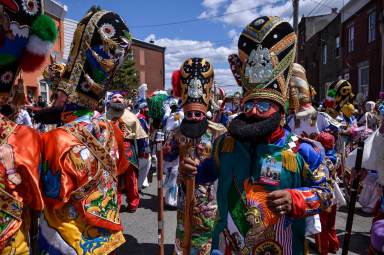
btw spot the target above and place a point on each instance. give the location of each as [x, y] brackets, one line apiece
[19, 185]
[80, 189]
[81, 159]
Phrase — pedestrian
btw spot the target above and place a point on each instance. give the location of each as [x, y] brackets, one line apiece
[20, 146]
[81, 159]
[259, 214]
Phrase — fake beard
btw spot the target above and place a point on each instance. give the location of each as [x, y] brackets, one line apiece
[193, 129]
[116, 109]
[252, 129]
[49, 115]
[7, 110]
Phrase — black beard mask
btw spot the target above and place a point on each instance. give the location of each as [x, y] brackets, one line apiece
[253, 130]
[7, 110]
[117, 107]
[49, 115]
[193, 129]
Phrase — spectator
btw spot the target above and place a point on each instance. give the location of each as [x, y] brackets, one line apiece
[41, 102]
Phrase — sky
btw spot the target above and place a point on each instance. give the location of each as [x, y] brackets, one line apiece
[207, 28]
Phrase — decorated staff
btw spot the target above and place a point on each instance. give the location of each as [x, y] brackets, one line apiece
[196, 196]
[26, 37]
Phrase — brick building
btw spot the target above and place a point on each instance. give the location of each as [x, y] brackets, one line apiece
[150, 64]
[362, 46]
[34, 86]
[319, 50]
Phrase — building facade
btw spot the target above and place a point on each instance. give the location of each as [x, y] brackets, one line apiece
[150, 64]
[33, 82]
[319, 50]
[362, 46]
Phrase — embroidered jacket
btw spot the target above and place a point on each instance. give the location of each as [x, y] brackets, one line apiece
[80, 189]
[246, 175]
[19, 184]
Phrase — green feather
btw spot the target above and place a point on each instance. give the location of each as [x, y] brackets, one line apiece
[45, 28]
[155, 105]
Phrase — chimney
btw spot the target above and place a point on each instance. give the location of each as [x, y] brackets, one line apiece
[152, 41]
[334, 10]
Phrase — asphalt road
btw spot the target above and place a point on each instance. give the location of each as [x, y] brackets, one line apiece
[140, 228]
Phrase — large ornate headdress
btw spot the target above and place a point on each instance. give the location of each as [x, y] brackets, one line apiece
[339, 95]
[26, 36]
[267, 48]
[196, 84]
[300, 93]
[100, 45]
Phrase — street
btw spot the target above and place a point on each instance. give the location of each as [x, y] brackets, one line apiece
[140, 228]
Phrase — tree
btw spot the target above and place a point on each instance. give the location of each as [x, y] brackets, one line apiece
[127, 77]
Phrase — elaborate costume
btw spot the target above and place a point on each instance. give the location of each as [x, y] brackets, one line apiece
[81, 159]
[195, 220]
[26, 36]
[269, 179]
[133, 132]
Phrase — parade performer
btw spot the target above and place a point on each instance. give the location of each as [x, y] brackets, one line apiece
[173, 117]
[26, 37]
[81, 159]
[143, 143]
[133, 132]
[196, 204]
[269, 179]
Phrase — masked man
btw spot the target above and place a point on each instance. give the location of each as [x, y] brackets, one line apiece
[81, 158]
[21, 36]
[269, 180]
[196, 204]
[133, 134]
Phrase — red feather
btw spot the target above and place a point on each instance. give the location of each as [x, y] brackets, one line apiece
[31, 62]
[176, 85]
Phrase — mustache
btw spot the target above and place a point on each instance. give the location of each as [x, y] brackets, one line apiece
[253, 129]
[117, 106]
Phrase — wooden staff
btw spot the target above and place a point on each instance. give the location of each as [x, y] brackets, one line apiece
[353, 197]
[159, 138]
[189, 182]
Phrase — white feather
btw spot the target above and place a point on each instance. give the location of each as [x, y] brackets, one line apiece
[38, 46]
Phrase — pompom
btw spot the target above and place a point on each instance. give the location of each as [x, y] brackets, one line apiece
[45, 28]
[176, 85]
[30, 62]
[37, 46]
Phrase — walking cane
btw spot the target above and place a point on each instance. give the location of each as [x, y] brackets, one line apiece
[159, 139]
[353, 197]
[189, 181]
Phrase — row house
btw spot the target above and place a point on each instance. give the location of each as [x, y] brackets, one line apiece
[348, 46]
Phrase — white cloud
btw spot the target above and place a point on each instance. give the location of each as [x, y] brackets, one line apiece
[251, 9]
[212, 8]
[178, 50]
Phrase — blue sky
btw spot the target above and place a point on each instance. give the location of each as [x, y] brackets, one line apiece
[210, 37]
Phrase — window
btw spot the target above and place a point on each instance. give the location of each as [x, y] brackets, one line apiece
[372, 27]
[142, 76]
[324, 54]
[364, 80]
[44, 90]
[337, 46]
[351, 38]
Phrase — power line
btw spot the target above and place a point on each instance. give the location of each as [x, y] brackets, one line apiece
[316, 6]
[194, 20]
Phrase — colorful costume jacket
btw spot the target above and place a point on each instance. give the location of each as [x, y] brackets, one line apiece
[246, 174]
[80, 189]
[205, 206]
[19, 184]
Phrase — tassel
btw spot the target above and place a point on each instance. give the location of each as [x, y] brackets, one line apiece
[289, 161]
[228, 144]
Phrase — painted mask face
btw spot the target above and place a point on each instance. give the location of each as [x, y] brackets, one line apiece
[339, 94]
[101, 43]
[16, 19]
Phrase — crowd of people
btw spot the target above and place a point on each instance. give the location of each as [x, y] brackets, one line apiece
[252, 173]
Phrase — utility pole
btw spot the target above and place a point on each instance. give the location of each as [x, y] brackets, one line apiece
[295, 4]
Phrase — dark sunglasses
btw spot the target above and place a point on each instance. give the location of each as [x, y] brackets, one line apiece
[261, 106]
[194, 114]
